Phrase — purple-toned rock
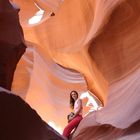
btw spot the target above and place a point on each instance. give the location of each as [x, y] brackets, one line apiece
[18, 121]
[12, 44]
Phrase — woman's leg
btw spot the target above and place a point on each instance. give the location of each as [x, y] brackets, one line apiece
[71, 125]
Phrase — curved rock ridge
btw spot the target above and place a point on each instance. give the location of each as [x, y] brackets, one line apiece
[108, 132]
[84, 35]
[120, 115]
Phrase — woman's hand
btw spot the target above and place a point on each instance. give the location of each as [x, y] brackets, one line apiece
[71, 118]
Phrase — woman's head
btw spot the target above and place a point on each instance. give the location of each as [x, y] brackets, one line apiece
[73, 98]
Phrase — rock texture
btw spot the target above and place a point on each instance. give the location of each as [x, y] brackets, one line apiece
[20, 122]
[120, 117]
[108, 132]
[11, 43]
[87, 45]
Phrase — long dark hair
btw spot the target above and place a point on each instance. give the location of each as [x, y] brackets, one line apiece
[72, 101]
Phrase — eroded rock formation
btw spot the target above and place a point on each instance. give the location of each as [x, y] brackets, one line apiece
[87, 44]
[20, 122]
[11, 43]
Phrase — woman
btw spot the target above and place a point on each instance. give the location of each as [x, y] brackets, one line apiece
[76, 104]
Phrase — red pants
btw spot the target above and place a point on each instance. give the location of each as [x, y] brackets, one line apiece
[71, 125]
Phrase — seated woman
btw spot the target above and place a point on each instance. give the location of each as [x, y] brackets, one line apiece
[75, 104]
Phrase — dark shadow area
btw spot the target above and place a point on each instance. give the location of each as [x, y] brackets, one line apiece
[9, 56]
[18, 121]
[12, 44]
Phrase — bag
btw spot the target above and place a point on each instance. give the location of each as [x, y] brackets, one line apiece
[69, 116]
